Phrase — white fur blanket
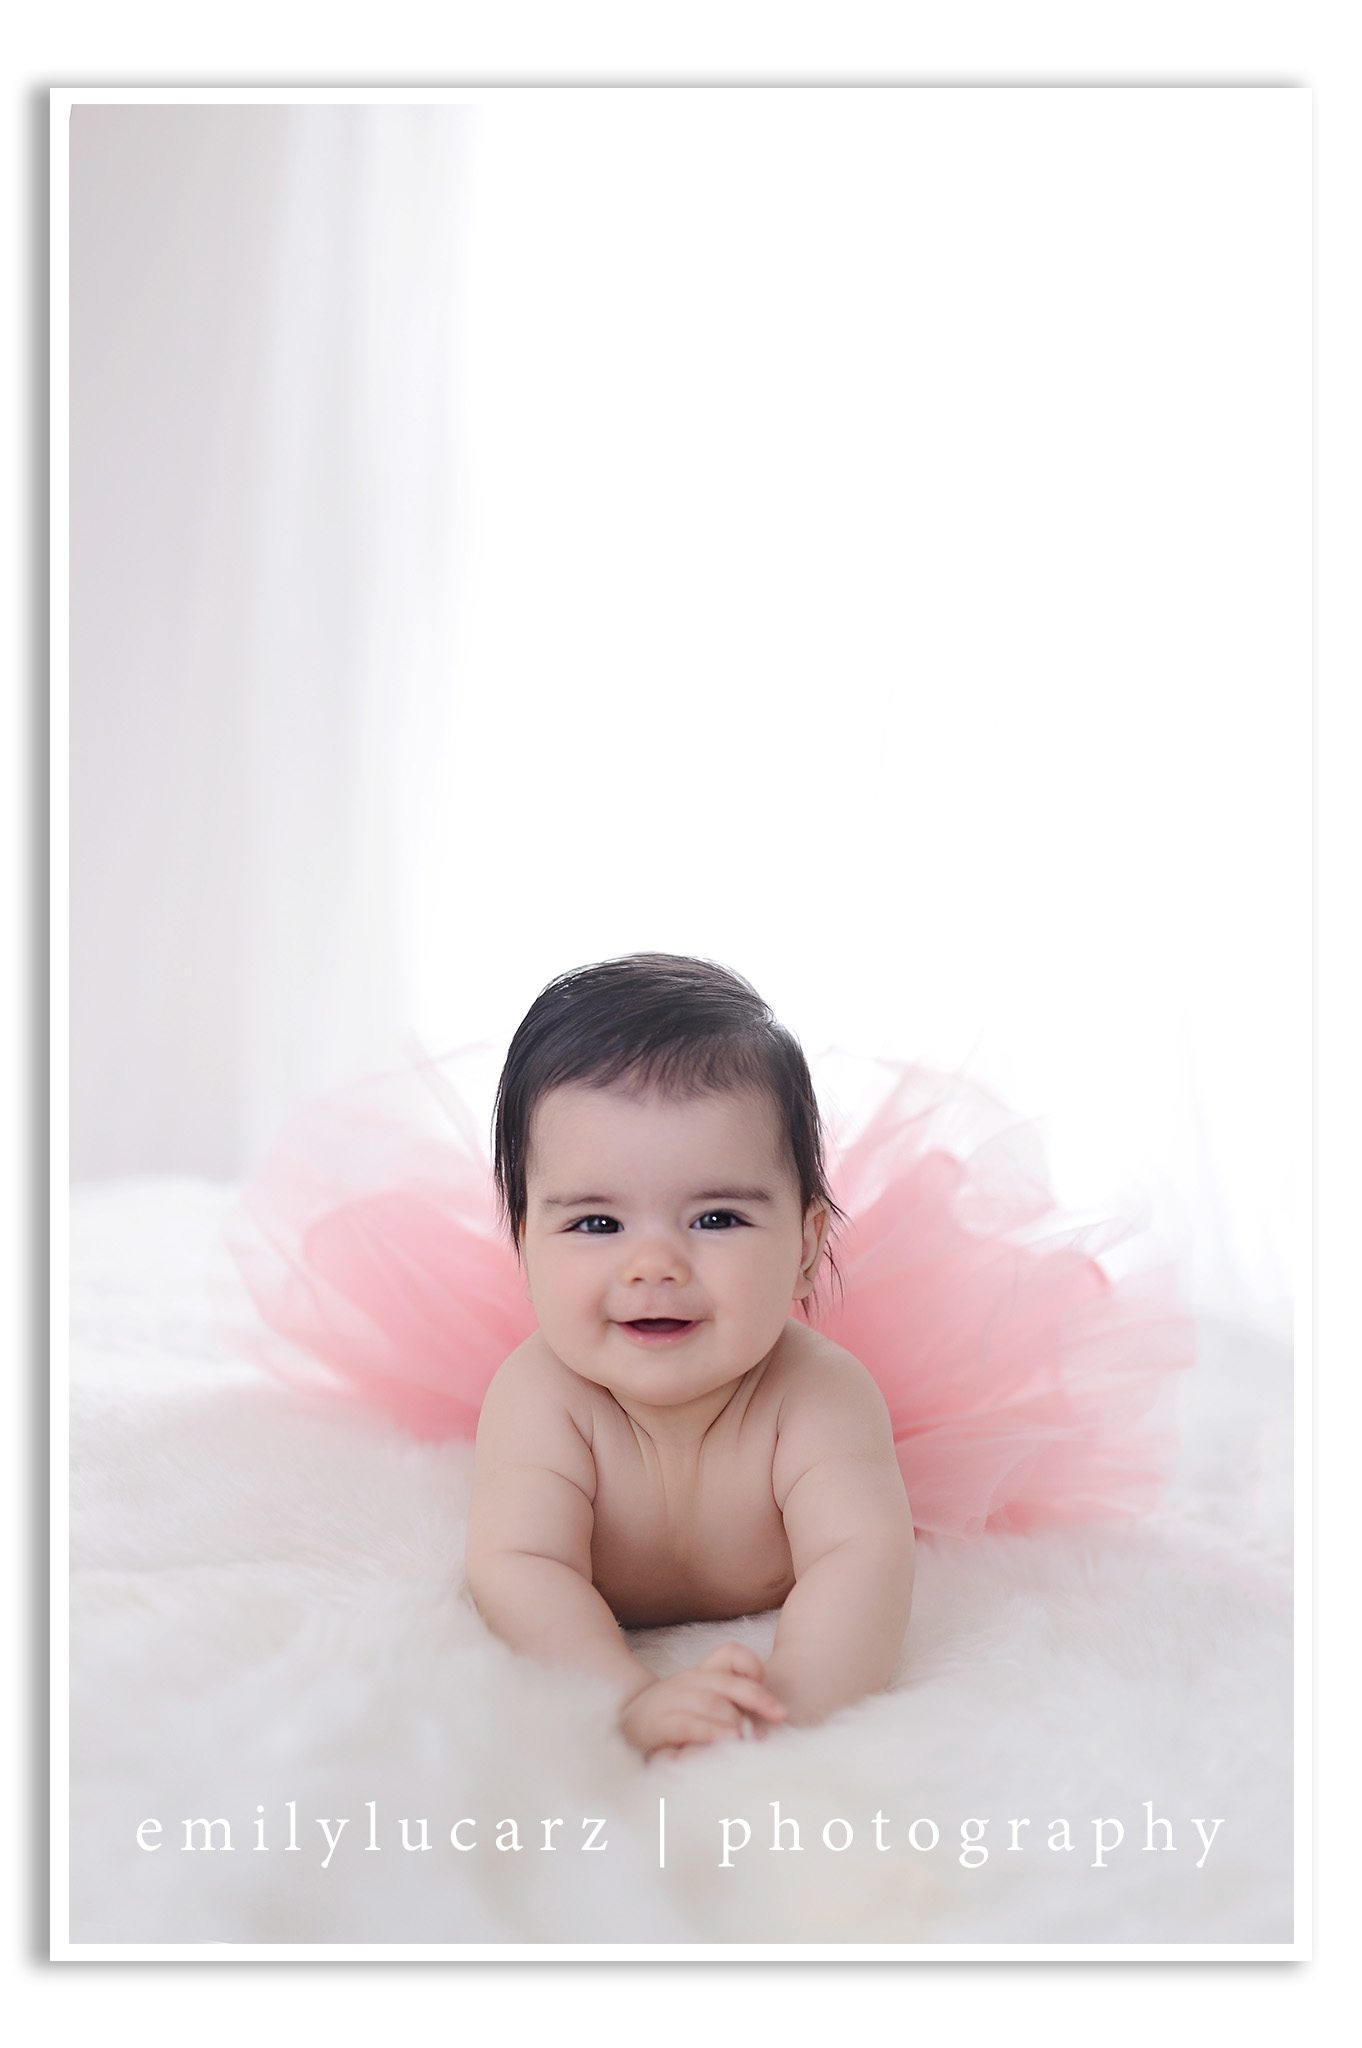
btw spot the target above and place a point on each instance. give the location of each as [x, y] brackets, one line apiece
[269, 1630]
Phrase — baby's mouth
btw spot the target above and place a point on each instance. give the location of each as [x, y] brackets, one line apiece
[658, 1329]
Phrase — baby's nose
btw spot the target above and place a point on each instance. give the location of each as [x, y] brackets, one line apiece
[656, 1258]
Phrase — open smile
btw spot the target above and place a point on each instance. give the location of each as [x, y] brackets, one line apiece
[656, 1330]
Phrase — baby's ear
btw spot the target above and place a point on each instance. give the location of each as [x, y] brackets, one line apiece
[816, 1221]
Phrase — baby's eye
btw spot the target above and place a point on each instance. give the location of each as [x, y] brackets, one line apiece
[608, 1221]
[724, 1216]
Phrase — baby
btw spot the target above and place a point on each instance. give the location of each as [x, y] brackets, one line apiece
[670, 1445]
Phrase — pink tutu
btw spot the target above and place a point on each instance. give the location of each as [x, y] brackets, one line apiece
[1023, 1380]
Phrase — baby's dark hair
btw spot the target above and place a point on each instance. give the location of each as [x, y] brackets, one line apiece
[661, 1021]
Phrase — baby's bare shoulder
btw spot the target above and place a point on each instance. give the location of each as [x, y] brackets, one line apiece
[536, 1409]
[533, 1366]
[808, 1370]
[829, 1405]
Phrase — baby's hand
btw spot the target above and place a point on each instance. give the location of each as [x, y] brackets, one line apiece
[701, 1704]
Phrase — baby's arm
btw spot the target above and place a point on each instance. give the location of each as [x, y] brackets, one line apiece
[529, 1527]
[850, 1532]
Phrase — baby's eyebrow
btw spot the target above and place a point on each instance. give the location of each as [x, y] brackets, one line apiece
[613, 1201]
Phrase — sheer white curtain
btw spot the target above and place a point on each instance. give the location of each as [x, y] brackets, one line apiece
[263, 315]
[862, 539]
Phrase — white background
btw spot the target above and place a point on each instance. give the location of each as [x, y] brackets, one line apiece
[861, 536]
[1167, 39]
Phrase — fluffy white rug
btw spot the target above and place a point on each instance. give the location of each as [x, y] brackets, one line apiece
[269, 1628]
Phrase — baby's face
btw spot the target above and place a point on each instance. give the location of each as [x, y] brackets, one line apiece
[640, 1207]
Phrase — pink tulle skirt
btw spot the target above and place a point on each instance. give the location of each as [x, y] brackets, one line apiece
[1024, 1380]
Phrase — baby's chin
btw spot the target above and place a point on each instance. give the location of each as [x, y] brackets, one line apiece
[657, 1383]
[663, 1375]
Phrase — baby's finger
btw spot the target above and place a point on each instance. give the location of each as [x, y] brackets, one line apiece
[682, 1728]
[734, 1657]
[710, 1705]
[746, 1694]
